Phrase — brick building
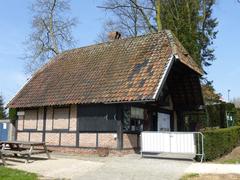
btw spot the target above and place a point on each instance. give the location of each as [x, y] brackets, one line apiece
[104, 95]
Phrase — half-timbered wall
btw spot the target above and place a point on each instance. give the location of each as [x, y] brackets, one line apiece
[61, 128]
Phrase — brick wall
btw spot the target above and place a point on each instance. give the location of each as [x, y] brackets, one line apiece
[40, 119]
[130, 141]
[20, 123]
[22, 136]
[30, 119]
[73, 118]
[36, 137]
[52, 138]
[88, 140]
[49, 118]
[94, 140]
[68, 139]
[107, 140]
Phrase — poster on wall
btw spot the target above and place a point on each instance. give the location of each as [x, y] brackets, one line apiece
[4, 125]
[163, 122]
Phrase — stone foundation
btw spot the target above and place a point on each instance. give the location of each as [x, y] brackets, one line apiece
[73, 150]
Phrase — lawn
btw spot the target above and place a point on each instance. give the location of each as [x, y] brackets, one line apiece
[13, 174]
[194, 176]
[231, 158]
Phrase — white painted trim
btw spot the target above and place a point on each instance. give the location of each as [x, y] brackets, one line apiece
[164, 76]
[5, 120]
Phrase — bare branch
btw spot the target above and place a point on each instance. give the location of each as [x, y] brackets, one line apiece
[51, 32]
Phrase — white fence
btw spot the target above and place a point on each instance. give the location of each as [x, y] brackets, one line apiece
[172, 142]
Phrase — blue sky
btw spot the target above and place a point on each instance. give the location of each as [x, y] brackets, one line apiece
[15, 25]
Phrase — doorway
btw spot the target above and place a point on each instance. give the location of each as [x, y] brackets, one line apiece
[164, 122]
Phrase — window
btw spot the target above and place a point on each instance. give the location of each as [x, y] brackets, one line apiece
[137, 113]
[61, 118]
[133, 119]
[97, 118]
[30, 119]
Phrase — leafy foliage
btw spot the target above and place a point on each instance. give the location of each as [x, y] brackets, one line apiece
[191, 21]
[13, 115]
[217, 114]
[218, 142]
[238, 117]
[209, 94]
[2, 110]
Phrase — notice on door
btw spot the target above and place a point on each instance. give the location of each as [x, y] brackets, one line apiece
[163, 122]
[4, 125]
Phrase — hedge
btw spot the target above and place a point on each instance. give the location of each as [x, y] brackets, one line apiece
[217, 114]
[218, 142]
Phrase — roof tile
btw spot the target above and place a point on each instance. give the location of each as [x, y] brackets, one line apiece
[123, 70]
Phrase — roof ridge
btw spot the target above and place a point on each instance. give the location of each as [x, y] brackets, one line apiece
[112, 42]
[170, 36]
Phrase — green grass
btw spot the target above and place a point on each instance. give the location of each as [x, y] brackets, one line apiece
[189, 176]
[13, 174]
[231, 161]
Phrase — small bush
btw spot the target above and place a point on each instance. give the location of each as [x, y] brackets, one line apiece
[12, 115]
[218, 142]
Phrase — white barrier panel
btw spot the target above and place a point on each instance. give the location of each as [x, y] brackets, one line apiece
[170, 142]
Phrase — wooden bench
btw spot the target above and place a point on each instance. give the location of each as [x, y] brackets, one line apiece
[22, 148]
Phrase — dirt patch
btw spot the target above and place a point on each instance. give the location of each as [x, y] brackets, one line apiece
[213, 177]
[233, 157]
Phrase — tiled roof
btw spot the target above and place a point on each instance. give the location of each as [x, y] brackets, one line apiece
[123, 70]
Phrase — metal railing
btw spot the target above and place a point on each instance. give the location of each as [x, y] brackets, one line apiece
[173, 142]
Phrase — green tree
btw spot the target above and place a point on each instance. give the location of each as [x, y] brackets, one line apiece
[190, 20]
[210, 95]
[2, 110]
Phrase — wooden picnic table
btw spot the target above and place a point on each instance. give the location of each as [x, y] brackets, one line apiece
[22, 148]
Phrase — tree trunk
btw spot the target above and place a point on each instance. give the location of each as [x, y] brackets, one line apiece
[158, 14]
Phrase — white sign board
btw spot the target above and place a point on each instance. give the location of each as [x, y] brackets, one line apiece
[163, 122]
[4, 125]
[20, 113]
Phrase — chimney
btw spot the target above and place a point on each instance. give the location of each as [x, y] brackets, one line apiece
[114, 35]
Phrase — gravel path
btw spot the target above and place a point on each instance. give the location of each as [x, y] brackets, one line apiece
[95, 168]
[131, 167]
[59, 168]
[135, 168]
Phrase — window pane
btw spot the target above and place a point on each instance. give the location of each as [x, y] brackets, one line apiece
[137, 113]
[97, 118]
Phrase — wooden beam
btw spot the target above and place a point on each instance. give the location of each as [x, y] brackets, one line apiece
[44, 123]
[119, 118]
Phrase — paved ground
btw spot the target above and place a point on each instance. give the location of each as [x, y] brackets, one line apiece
[131, 167]
[213, 168]
[95, 168]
